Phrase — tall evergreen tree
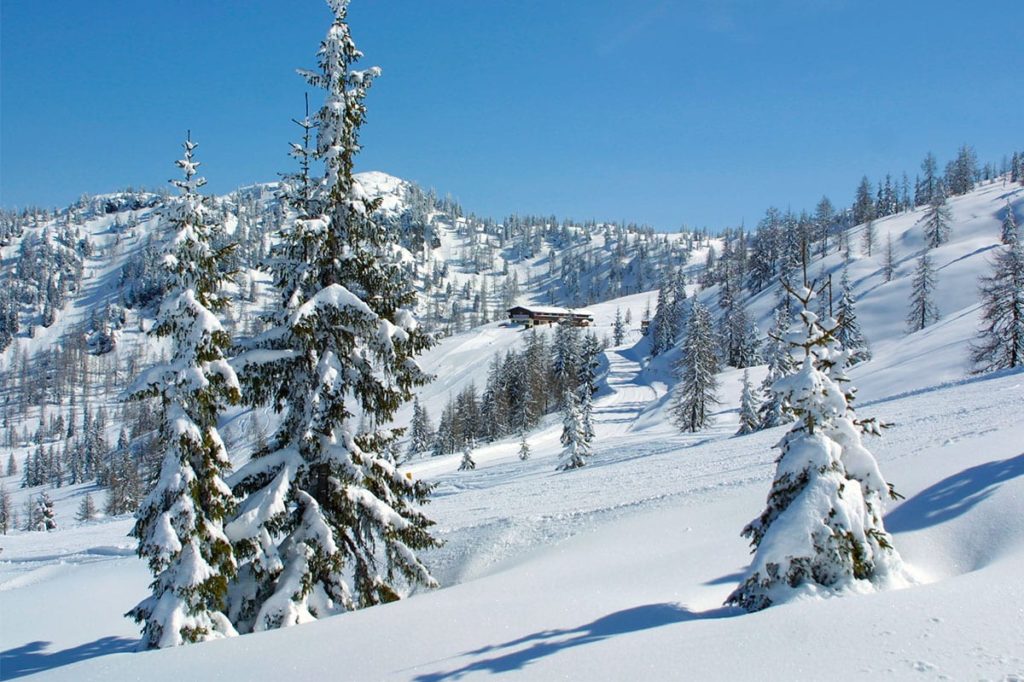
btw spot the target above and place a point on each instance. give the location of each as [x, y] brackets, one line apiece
[696, 392]
[421, 434]
[574, 435]
[12, 466]
[1009, 233]
[863, 204]
[618, 328]
[773, 410]
[936, 221]
[6, 510]
[87, 509]
[1000, 342]
[848, 331]
[889, 261]
[328, 523]
[923, 310]
[180, 523]
[822, 525]
[750, 421]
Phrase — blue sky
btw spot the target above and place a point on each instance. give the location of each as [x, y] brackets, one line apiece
[658, 112]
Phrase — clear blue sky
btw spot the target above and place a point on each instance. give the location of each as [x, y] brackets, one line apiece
[660, 112]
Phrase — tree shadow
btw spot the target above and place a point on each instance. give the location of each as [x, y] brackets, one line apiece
[33, 657]
[728, 578]
[548, 642]
[953, 496]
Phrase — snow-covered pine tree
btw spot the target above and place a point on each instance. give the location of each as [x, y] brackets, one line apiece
[87, 509]
[773, 411]
[936, 221]
[12, 466]
[695, 393]
[848, 331]
[6, 510]
[923, 310]
[618, 328]
[574, 435]
[524, 447]
[44, 516]
[179, 524]
[421, 433]
[328, 523]
[467, 463]
[1009, 233]
[821, 531]
[1000, 342]
[750, 421]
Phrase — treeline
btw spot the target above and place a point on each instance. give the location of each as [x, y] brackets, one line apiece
[522, 387]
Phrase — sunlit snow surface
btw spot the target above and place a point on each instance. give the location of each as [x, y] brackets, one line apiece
[618, 570]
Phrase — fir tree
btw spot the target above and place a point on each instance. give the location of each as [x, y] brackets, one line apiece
[12, 466]
[180, 523]
[524, 447]
[773, 411]
[87, 509]
[618, 328]
[6, 510]
[1009, 233]
[421, 434]
[328, 523]
[822, 525]
[889, 262]
[750, 421]
[467, 463]
[869, 236]
[574, 435]
[44, 517]
[1000, 342]
[695, 393]
[923, 310]
[936, 222]
[848, 331]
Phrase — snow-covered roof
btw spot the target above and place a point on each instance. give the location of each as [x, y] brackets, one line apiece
[551, 310]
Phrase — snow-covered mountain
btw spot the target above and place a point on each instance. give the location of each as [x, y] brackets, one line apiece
[618, 567]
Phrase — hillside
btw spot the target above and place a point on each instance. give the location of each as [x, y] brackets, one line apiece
[622, 565]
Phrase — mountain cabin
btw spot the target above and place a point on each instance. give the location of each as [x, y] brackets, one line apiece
[530, 316]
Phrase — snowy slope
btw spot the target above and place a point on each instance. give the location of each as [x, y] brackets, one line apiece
[618, 570]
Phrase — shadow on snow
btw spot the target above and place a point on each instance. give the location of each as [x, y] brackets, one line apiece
[518, 653]
[953, 496]
[33, 657]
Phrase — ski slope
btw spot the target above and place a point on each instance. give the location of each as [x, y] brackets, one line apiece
[618, 570]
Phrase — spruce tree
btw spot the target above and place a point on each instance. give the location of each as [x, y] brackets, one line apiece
[12, 466]
[889, 261]
[695, 394]
[524, 447]
[467, 463]
[923, 310]
[1000, 342]
[328, 523]
[822, 525]
[574, 435]
[750, 421]
[44, 517]
[1009, 233]
[936, 222]
[618, 328]
[180, 523]
[773, 411]
[848, 331]
[6, 510]
[421, 434]
[869, 237]
[87, 509]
